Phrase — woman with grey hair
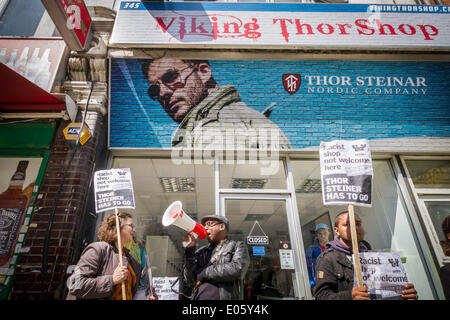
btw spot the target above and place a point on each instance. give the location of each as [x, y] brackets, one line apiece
[98, 274]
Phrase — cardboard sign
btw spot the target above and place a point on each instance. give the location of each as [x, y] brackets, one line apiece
[113, 189]
[346, 170]
[163, 287]
[384, 274]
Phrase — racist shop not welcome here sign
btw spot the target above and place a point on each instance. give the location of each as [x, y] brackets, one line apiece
[347, 173]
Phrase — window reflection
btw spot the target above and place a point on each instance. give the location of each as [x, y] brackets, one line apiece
[429, 173]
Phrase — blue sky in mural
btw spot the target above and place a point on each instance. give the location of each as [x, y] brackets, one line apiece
[335, 100]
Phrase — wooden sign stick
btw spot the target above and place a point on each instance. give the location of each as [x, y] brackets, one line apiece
[355, 246]
[119, 243]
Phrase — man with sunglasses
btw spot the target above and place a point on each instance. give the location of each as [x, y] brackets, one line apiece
[189, 94]
[215, 271]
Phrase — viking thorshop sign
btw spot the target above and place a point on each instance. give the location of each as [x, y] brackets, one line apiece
[384, 274]
[113, 189]
[298, 25]
[346, 170]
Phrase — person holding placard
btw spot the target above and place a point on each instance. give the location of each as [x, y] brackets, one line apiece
[334, 270]
[98, 274]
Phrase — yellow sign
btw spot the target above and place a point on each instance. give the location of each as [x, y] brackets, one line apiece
[72, 130]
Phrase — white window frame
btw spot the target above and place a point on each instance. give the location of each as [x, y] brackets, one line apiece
[288, 195]
[3, 5]
[422, 195]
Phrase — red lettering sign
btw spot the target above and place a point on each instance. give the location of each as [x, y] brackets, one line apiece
[78, 18]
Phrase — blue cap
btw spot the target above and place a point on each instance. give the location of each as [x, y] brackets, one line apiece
[322, 226]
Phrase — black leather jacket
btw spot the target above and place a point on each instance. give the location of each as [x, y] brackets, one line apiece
[226, 272]
[334, 273]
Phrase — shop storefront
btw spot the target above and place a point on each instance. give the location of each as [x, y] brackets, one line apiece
[225, 112]
[29, 122]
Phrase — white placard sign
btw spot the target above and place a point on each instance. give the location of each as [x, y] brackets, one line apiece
[346, 171]
[384, 274]
[113, 189]
[163, 287]
[190, 24]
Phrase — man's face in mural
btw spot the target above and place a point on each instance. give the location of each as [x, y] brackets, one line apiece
[178, 85]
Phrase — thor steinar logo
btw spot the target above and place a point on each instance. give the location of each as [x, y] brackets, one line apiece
[291, 82]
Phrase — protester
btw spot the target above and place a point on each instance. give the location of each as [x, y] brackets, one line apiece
[444, 271]
[215, 271]
[98, 274]
[334, 275]
[145, 290]
[313, 252]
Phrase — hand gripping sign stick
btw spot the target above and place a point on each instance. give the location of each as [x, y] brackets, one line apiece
[347, 165]
[355, 246]
[114, 190]
[119, 243]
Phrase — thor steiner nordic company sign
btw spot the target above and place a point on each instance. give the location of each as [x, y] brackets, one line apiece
[298, 25]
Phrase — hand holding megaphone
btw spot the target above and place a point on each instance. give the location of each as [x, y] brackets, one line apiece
[189, 240]
[175, 215]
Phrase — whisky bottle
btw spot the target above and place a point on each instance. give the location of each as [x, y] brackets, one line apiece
[13, 205]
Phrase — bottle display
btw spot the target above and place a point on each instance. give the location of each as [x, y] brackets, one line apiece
[21, 64]
[33, 66]
[13, 205]
[3, 55]
[12, 59]
[44, 74]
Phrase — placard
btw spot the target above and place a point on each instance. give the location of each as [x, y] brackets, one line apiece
[384, 275]
[346, 171]
[163, 287]
[113, 189]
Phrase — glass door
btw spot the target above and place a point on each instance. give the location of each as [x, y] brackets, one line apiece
[262, 223]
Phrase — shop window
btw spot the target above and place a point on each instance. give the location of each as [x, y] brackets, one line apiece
[157, 183]
[30, 11]
[19, 186]
[430, 182]
[262, 225]
[433, 174]
[261, 175]
[386, 223]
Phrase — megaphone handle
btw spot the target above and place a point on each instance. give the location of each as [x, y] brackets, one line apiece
[186, 243]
